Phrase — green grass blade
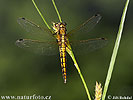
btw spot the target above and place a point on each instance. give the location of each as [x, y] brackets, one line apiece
[78, 69]
[57, 11]
[115, 50]
[41, 14]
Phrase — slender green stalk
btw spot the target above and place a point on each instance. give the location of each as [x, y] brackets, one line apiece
[78, 69]
[57, 10]
[41, 14]
[113, 58]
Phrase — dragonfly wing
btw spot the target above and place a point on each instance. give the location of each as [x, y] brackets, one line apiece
[85, 46]
[82, 30]
[45, 48]
[35, 31]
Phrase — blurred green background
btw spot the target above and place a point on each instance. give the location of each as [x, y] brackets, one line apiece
[25, 73]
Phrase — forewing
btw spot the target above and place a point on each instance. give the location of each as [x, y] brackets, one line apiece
[81, 32]
[45, 48]
[85, 46]
[35, 31]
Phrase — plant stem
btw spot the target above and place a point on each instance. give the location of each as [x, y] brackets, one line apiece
[78, 69]
[57, 11]
[41, 14]
[115, 50]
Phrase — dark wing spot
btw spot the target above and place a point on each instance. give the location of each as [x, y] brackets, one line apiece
[23, 18]
[20, 39]
[103, 38]
[97, 15]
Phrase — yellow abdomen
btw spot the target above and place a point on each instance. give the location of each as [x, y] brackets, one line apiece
[62, 48]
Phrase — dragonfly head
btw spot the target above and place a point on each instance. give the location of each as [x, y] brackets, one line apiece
[59, 26]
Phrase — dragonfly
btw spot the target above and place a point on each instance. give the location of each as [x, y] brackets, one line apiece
[49, 42]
